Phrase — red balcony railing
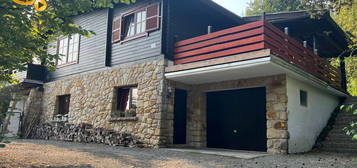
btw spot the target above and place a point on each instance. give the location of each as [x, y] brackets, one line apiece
[252, 37]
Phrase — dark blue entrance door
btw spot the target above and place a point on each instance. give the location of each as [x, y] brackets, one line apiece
[236, 119]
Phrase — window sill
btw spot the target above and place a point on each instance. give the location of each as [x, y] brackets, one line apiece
[59, 121]
[66, 64]
[133, 38]
[113, 119]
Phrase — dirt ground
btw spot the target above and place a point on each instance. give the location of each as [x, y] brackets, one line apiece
[37, 155]
[56, 154]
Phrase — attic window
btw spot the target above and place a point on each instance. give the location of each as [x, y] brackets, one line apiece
[136, 24]
[303, 98]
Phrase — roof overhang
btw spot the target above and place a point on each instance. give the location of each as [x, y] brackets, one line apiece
[266, 65]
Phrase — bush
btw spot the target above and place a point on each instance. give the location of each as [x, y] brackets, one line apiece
[351, 130]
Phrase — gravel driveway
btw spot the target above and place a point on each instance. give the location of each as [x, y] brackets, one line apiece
[39, 153]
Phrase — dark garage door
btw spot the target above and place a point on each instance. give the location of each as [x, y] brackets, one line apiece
[236, 119]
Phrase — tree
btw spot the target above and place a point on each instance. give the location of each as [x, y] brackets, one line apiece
[256, 7]
[346, 17]
[25, 33]
[351, 130]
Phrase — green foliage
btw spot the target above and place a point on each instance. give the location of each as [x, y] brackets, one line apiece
[351, 130]
[346, 17]
[318, 7]
[25, 33]
[257, 7]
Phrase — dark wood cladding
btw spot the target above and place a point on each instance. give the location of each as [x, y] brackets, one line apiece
[253, 37]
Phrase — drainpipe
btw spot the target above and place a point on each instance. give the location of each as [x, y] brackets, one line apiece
[108, 52]
[343, 71]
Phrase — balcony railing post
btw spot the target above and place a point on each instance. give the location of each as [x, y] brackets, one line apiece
[209, 29]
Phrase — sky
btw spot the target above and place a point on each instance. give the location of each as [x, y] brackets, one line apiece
[236, 6]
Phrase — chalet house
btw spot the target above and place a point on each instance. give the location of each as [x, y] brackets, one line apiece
[193, 73]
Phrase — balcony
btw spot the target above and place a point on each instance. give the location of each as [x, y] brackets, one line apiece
[34, 75]
[250, 50]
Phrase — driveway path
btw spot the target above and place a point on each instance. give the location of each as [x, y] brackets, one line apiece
[39, 153]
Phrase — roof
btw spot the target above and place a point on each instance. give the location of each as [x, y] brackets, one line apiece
[331, 40]
[214, 6]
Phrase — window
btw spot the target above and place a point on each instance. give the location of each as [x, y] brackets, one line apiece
[62, 107]
[68, 49]
[303, 98]
[126, 99]
[134, 24]
[137, 23]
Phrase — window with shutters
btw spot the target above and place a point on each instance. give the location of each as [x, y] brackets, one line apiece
[68, 50]
[136, 24]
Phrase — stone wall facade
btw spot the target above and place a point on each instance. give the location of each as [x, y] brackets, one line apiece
[276, 110]
[92, 96]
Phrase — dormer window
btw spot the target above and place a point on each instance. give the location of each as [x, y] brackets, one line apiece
[68, 49]
[137, 23]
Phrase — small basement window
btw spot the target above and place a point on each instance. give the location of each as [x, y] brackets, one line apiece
[125, 101]
[62, 111]
[303, 98]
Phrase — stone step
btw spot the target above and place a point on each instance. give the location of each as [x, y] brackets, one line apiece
[340, 140]
[340, 126]
[340, 146]
[337, 131]
[341, 137]
[346, 117]
[339, 150]
[351, 100]
[343, 122]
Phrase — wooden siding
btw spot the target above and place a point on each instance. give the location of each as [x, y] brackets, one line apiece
[92, 54]
[92, 49]
[140, 49]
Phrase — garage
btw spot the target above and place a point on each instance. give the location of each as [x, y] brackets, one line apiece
[236, 119]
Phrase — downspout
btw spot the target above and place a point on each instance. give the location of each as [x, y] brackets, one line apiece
[343, 71]
[108, 50]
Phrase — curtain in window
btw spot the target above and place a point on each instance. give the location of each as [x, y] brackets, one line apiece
[123, 99]
[129, 25]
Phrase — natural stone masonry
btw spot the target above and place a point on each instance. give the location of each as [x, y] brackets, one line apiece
[32, 111]
[276, 107]
[92, 97]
